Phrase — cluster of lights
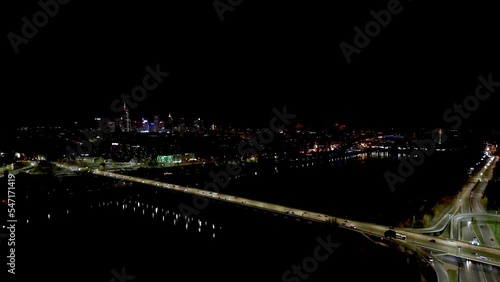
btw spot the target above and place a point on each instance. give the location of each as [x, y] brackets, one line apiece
[156, 212]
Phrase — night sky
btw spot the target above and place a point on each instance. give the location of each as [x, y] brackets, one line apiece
[264, 54]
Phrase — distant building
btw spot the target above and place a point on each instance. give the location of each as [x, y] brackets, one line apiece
[144, 126]
[111, 126]
[97, 122]
[169, 124]
[181, 127]
[136, 125]
[156, 124]
[177, 158]
[198, 125]
[161, 126]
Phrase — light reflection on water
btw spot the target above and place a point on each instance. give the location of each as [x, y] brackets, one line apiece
[312, 161]
[165, 216]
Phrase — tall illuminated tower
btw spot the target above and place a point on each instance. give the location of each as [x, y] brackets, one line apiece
[127, 118]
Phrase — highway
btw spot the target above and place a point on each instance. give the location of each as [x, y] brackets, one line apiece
[462, 203]
[487, 255]
[476, 271]
[462, 220]
[470, 271]
[473, 215]
[485, 235]
[464, 225]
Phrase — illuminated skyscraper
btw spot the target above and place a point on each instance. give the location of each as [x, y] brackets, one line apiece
[169, 124]
[125, 120]
[127, 117]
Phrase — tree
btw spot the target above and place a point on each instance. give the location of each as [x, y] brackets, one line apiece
[152, 163]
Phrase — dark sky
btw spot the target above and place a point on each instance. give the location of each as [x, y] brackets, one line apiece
[264, 54]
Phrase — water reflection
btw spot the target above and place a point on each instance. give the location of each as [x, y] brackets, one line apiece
[160, 215]
[339, 161]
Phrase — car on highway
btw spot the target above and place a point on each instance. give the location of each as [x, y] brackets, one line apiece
[484, 258]
[391, 233]
[430, 258]
[432, 240]
[474, 241]
[400, 236]
[346, 223]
